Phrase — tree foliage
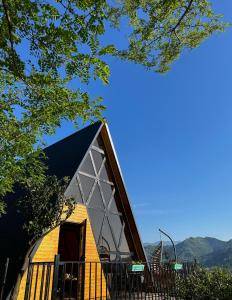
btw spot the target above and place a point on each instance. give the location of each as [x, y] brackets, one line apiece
[44, 206]
[162, 29]
[203, 284]
[50, 50]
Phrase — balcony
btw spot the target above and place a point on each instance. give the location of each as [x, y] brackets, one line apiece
[100, 281]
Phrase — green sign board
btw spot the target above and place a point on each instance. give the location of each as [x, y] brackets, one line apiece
[177, 266]
[136, 268]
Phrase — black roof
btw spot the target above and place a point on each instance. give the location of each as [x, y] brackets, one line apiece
[65, 156]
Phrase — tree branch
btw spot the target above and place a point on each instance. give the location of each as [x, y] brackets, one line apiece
[182, 16]
[177, 36]
[9, 25]
[10, 30]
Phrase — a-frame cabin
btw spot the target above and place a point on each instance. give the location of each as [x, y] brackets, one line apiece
[102, 227]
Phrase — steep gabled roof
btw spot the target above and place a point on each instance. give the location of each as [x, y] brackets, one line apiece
[65, 156]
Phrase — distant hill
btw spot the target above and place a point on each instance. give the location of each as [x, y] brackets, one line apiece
[149, 247]
[166, 243]
[207, 251]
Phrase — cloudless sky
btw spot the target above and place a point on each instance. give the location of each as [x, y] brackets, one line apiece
[173, 137]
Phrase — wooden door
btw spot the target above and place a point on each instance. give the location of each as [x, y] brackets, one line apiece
[72, 252]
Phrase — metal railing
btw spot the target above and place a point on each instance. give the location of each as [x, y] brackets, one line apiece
[3, 277]
[100, 281]
[39, 283]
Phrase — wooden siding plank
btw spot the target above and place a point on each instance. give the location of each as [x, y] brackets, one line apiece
[48, 248]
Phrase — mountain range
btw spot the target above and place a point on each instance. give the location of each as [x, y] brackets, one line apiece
[207, 251]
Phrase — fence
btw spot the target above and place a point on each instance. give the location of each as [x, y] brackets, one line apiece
[100, 281]
[3, 277]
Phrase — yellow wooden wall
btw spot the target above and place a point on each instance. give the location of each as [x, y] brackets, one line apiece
[48, 248]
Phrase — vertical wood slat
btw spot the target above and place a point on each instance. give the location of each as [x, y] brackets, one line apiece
[55, 276]
[47, 282]
[36, 281]
[42, 282]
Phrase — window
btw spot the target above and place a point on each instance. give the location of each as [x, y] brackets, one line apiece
[96, 217]
[96, 200]
[105, 173]
[74, 192]
[116, 225]
[87, 184]
[95, 185]
[107, 191]
[98, 159]
[106, 238]
[124, 244]
[87, 166]
[98, 143]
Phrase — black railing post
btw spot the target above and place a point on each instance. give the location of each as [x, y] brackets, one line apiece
[28, 281]
[55, 276]
[4, 278]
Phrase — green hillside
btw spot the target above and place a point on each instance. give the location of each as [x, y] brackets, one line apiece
[207, 251]
[192, 248]
[222, 257]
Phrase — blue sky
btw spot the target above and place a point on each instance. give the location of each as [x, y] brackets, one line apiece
[173, 136]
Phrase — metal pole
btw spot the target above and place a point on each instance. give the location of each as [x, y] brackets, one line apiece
[55, 276]
[174, 248]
